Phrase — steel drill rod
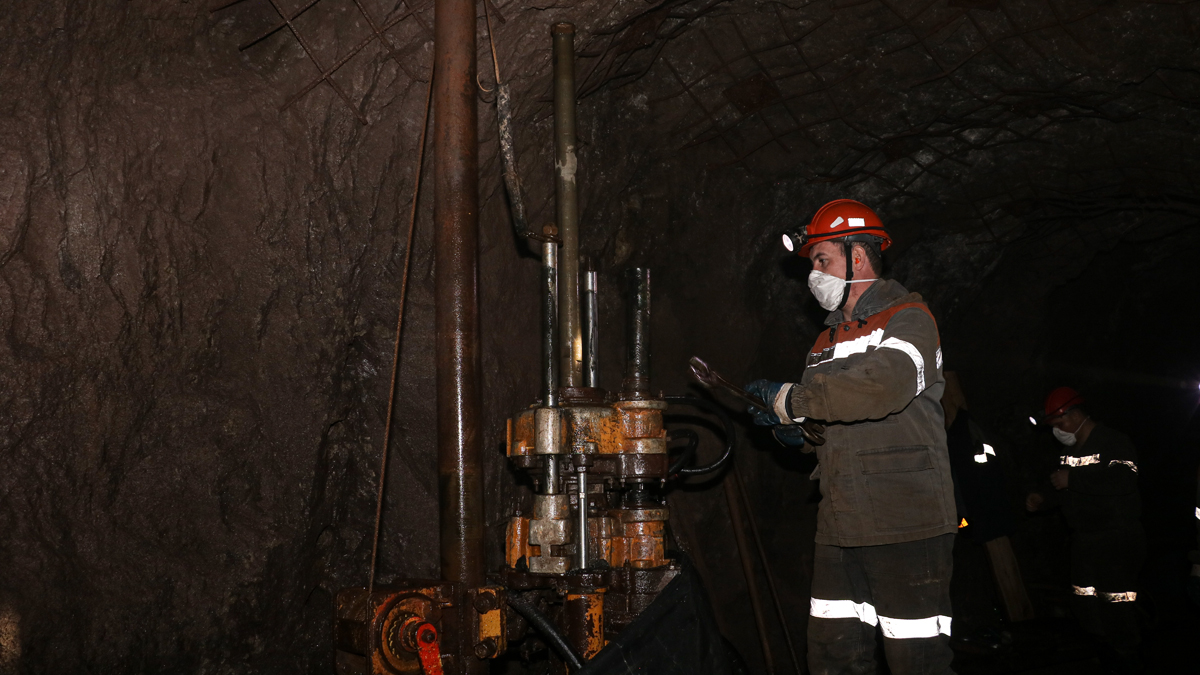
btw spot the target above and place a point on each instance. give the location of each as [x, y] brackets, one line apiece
[582, 553]
[762, 554]
[739, 533]
[591, 329]
[456, 243]
[637, 335]
[549, 324]
[567, 203]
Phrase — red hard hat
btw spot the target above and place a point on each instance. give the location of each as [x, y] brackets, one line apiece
[843, 218]
[1062, 399]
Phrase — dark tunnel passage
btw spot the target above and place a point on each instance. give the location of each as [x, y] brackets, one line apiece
[204, 212]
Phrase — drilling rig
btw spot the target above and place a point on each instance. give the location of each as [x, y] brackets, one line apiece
[592, 554]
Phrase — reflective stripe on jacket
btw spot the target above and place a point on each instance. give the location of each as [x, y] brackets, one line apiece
[876, 381]
[1102, 490]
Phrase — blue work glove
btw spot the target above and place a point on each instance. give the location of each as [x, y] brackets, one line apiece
[791, 435]
[767, 391]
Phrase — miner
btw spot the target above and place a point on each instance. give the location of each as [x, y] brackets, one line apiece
[886, 519]
[1096, 487]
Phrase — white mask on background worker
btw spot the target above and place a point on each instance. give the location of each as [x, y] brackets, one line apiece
[828, 289]
[1067, 438]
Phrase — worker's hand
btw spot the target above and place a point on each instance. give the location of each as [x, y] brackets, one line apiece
[767, 391]
[791, 435]
[1059, 479]
[1034, 502]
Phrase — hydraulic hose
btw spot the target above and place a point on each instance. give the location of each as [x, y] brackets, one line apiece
[689, 450]
[546, 627]
[730, 434]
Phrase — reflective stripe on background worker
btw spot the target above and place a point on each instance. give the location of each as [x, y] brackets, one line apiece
[886, 519]
[1193, 582]
[1096, 486]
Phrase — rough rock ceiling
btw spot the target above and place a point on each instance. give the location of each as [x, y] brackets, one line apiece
[897, 102]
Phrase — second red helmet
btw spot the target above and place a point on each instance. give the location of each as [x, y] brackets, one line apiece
[1061, 400]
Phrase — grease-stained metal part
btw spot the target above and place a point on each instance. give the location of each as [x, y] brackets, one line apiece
[583, 613]
[549, 289]
[551, 475]
[591, 328]
[428, 649]
[491, 639]
[637, 336]
[567, 203]
[375, 633]
[581, 519]
[456, 245]
[508, 159]
[549, 531]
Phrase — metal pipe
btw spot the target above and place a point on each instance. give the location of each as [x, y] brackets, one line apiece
[637, 336]
[582, 529]
[591, 329]
[735, 517]
[567, 202]
[762, 554]
[551, 486]
[459, 399]
[550, 324]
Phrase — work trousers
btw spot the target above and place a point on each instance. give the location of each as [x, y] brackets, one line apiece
[903, 590]
[1104, 573]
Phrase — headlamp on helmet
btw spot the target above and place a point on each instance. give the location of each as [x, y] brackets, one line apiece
[841, 219]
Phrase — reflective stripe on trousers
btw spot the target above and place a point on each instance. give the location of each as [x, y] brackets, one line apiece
[1127, 596]
[897, 629]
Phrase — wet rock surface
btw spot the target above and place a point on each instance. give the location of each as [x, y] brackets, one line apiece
[198, 287]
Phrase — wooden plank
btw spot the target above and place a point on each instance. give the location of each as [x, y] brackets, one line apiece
[1008, 580]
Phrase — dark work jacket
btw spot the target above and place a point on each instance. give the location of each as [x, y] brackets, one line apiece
[876, 381]
[1102, 489]
[980, 485]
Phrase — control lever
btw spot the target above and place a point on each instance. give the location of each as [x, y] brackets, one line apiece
[428, 649]
[814, 432]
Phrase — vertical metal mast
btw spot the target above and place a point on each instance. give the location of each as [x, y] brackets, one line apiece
[459, 401]
[567, 204]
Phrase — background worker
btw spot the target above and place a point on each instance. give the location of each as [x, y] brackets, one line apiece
[886, 519]
[1096, 486]
[987, 585]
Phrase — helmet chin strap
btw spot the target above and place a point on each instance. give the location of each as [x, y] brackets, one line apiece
[849, 275]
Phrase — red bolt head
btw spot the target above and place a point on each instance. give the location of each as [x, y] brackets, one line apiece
[427, 636]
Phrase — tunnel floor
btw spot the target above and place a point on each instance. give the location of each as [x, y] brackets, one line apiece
[1056, 646]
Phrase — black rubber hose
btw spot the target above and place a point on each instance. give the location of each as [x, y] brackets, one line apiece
[542, 623]
[730, 433]
[689, 450]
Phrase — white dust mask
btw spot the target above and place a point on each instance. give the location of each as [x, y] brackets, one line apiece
[828, 289]
[1067, 438]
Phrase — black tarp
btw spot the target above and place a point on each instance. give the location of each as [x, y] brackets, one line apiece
[677, 634]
